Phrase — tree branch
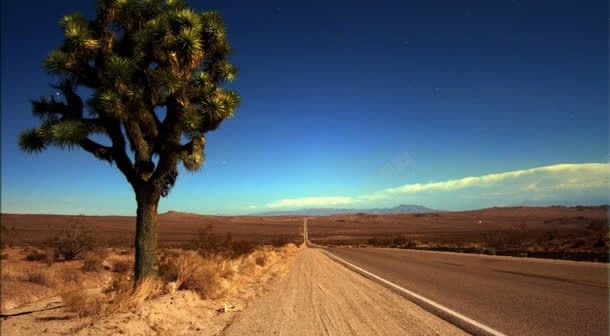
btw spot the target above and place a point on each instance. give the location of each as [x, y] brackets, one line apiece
[99, 151]
[119, 155]
[170, 147]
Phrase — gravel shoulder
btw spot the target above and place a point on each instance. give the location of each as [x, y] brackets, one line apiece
[320, 297]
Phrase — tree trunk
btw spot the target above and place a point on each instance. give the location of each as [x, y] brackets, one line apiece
[146, 232]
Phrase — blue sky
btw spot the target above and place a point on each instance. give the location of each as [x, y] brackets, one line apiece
[344, 100]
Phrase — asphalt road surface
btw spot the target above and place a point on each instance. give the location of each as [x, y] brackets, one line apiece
[516, 296]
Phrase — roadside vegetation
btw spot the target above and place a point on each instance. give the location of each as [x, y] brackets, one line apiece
[589, 242]
[95, 282]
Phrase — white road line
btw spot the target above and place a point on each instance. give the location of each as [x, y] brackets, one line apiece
[448, 314]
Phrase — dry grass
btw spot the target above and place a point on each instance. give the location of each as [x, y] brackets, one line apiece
[26, 273]
[41, 277]
[128, 296]
[209, 244]
[123, 267]
[45, 256]
[121, 298]
[93, 262]
[191, 271]
[213, 277]
[217, 275]
[261, 260]
[204, 285]
[68, 277]
[23, 282]
[204, 281]
[81, 303]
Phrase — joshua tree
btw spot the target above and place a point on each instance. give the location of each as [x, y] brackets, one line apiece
[152, 71]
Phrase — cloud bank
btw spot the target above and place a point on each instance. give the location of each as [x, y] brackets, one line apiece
[584, 183]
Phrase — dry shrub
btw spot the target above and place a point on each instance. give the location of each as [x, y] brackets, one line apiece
[280, 242]
[168, 268]
[209, 244]
[123, 297]
[47, 257]
[49, 277]
[288, 248]
[246, 265]
[204, 281]
[83, 304]
[128, 296]
[241, 248]
[191, 272]
[168, 271]
[11, 273]
[35, 255]
[122, 267]
[118, 284]
[93, 263]
[101, 252]
[261, 259]
[39, 276]
[50, 258]
[69, 276]
[224, 267]
[71, 243]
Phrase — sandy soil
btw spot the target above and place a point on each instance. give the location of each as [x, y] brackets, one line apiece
[320, 297]
[176, 313]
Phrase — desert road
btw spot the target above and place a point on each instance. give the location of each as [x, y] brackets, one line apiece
[509, 296]
[320, 297]
[515, 296]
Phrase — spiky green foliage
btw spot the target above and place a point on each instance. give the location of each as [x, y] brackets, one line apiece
[136, 56]
[31, 141]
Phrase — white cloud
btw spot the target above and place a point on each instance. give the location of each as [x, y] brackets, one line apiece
[560, 182]
[372, 197]
[580, 174]
[532, 186]
[310, 202]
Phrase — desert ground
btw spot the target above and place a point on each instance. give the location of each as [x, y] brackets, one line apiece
[253, 275]
[578, 233]
[93, 295]
[174, 228]
[286, 290]
[534, 229]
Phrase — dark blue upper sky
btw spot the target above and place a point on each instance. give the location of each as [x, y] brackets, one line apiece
[332, 91]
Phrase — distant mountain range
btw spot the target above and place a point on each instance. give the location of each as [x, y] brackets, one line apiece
[400, 209]
[600, 202]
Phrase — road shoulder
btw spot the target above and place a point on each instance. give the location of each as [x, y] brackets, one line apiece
[320, 297]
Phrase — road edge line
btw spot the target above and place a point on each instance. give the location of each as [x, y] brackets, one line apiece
[467, 324]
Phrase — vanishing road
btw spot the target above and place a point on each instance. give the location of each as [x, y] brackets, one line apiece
[511, 296]
[321, 297]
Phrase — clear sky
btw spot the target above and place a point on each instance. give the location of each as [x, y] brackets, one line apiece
[355, 104]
